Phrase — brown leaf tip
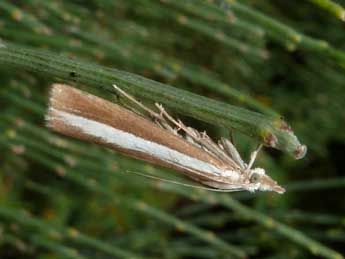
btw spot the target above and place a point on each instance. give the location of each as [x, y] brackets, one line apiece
[300, 151]
[270, 140]
[285, 127]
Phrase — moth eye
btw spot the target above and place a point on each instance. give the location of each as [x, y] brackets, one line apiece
[255, 178]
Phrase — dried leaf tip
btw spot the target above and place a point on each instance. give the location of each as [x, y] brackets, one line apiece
[301, 151]
[280, 135]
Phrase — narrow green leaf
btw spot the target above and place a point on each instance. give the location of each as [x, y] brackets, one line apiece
[271, 130]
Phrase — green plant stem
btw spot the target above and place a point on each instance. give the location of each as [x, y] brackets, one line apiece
[24, 18]
[26, 219]
[270, 223]
[317, 184]
[287, 35]
[332, 7]
[143, 59]
[63, 251]
[272, 131]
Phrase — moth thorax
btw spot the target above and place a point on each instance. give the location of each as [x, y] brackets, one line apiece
[259, 171]
[234, 175]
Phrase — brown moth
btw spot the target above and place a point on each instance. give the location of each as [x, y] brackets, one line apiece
[78, 114]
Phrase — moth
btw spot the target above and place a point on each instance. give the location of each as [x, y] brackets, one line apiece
[162, 140]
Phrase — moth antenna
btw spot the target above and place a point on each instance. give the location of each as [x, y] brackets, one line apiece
[253, 156]
[179, 183]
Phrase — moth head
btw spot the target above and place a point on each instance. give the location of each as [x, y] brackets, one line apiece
[263, 182]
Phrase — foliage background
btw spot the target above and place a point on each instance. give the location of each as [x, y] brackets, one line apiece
[61, 198]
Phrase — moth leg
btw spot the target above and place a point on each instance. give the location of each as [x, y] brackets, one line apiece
[165, 115]
[216, 149]
[158, 118]
[193, 133]
[200, 138]
[253, 156]
[166, 118]
[132, 99]
[231, 150]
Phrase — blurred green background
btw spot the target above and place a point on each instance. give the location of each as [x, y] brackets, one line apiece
[62, 198]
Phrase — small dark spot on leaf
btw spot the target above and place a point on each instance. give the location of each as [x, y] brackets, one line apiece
[72, 74]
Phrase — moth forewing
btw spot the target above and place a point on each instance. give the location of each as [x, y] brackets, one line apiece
[78, 114]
